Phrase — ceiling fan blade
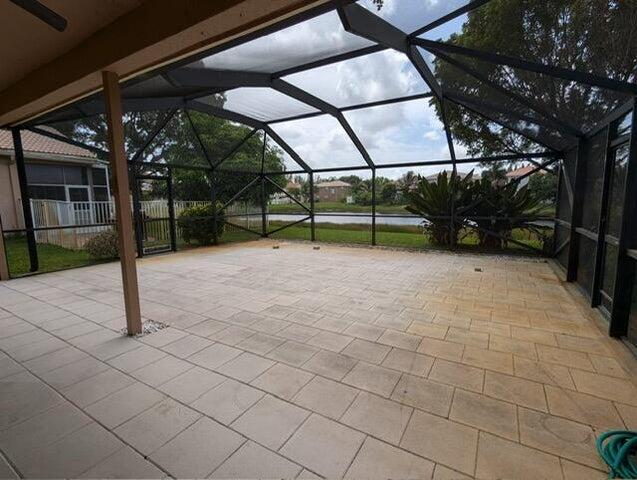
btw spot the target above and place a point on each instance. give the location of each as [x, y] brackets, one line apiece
[44, 13]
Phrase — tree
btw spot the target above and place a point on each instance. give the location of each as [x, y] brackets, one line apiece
[353, 180]
[362, 192]
[567, 33]
[543, 187]
[407, 182]
[177, 144]
[389, 193]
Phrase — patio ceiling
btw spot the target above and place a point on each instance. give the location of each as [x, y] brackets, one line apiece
[313, 66]
[44, 69]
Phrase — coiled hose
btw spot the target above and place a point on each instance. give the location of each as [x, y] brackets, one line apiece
[618, 449]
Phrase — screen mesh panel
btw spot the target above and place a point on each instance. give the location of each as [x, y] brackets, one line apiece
[594, 154]
[410, 15]
[401, 132]
[304, 42]
[263, 103]
[320, 141]
[585, 263]
[379, 76]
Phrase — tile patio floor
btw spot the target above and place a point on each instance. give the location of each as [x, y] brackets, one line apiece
[303, 363]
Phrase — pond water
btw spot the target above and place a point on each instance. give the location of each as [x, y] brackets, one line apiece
[349, 218]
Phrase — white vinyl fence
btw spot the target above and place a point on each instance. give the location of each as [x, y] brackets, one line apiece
[53, 213]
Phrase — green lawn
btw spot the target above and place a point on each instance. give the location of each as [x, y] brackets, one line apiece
[402, 236]
[51, 257]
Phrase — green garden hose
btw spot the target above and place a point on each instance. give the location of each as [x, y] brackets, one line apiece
[618, 449]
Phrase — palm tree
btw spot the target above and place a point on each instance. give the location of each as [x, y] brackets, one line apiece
[434, 202]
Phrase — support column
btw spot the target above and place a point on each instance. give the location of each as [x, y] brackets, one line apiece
[24, 198]
[171, 211]
[124, 219]
[373, 206]
[264, 226]
[213, 199]
[4, 266]
[576, 213]
[312, 222]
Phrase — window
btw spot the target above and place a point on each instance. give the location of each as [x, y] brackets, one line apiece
[75, 175]
[45, 174]
[99, 176]
[100, 194]
[45, 192]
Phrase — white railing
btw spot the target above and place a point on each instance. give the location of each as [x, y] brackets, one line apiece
[54, 213]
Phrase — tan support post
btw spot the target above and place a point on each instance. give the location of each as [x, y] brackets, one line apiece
[124, 219]
[4, 267]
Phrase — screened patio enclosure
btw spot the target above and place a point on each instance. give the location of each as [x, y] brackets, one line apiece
[377, 90]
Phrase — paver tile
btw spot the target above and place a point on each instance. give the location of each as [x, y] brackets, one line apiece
[423, 394]
[191, 454]
[254, 461]
[373, 378]
[191, 384]
[151, 429]
[499, 458]
[324, 446]
[246, 367]
[270, 421]
[516, 390]
[442, 441]
[378, 460]
[457, 374]
[382, 418]
[282, 380]
[484, 413]
[326, 397]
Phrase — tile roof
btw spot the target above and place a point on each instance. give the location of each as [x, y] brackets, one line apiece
[35, 143]
[518, 172]
[333, 183]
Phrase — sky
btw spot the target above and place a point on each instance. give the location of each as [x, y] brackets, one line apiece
[396, 133]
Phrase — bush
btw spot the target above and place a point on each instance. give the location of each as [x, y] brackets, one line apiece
[103, 245]
[198, 223]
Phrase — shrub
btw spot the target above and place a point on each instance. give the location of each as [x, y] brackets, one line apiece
[198, 223]
[433, 201]
[103, 245]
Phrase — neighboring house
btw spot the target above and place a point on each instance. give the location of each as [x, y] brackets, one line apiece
[332, 191]
[279, 198]
[520, 172]
[434, 176]
[56, 171]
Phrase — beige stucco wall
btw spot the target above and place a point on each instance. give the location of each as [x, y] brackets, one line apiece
[10, 209]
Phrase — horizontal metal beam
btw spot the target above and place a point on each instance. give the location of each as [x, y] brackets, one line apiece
[358, 106]
[341, 57]
[514, 62]
[223, 113]
[210, 78]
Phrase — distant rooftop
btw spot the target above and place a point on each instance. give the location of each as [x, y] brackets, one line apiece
[34, 143]
[333, 183]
